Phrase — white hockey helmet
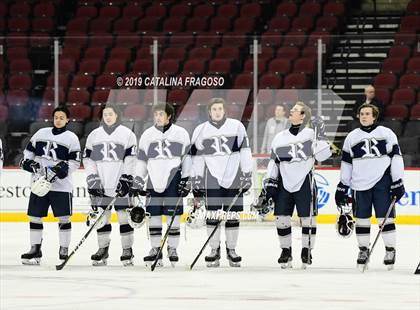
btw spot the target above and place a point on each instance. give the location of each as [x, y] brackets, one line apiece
[94, 216]
[41, 186]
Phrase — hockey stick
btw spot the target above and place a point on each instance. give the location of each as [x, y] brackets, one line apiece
[215, 228]
[417, 271]
[313, 197]
[165, 237]
[61, 266]
[381, 227]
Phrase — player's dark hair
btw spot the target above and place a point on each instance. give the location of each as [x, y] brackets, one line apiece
[216, 101]
[166, 107]
[305, 110]
[62, 108]
[375, 110]
[110, 106]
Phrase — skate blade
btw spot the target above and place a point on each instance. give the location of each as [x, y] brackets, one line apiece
[362, 267]
[127, 262]
[31, 261]
[102, 262]
[287, 265]
[234, 264]
[158, 264]
[390, 267]
[173, 264]
[213, 264]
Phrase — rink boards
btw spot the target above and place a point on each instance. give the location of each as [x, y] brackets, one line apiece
[15, 191]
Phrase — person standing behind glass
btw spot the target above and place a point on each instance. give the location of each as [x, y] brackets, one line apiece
[274, 125]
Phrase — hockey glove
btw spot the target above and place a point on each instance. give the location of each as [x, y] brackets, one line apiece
[397, 190]
[95, 187]
[137, 188]
[30, 165]
[61, 170]
[245, 181]
[264, 204]
[319, 126]
[270, 187]
[124, 185]
[198, 189]
[341, 194]
[184, 187]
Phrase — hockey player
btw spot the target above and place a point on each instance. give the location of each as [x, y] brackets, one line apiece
[55, 154]
[163, 159]
[222, 165]
[109, 160]
[372, 166]
[289, 181]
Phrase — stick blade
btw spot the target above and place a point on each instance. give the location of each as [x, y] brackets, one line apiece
[61, 266]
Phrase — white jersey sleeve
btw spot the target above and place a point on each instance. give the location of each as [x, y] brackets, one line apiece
[141, 166]
[88, 163]
[198, 163]
[186, 160]
[322, 150]
[245, 150]
[74, 158]
[346, 163]
[130, 155]
[394, 152]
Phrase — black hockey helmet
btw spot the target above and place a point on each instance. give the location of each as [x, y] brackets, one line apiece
[136, 217]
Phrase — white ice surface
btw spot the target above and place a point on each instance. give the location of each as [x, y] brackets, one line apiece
[332, 282]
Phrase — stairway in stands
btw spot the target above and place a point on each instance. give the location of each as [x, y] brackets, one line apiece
[356, 59]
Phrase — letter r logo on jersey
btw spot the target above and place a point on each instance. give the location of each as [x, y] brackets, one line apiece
[49, 150]
[370, 148]
[108, 151]
[296, 151]
[220, 146]
[163, 149]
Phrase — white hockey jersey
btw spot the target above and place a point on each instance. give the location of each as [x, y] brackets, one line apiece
[110, 155]
[161, 154]
[223, 150]
[294, 156]
[367, 155]
[49, 149]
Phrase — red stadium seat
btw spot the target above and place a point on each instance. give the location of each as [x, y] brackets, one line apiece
[174, 24]
[86, 12]
[413, 65]
[45, 24]
[116, 66]
[410, 23]
[305, 65]
[177, 53]
[272, 39]
[302, 23]
[77, 26]
[169, 67]
[82, 81]
[143, 67]
[410, 80]
[94, 53]
[196, 25]
[385, 80]
[17, 97]
[20, 8]
[405, 96]
[244, 81]
[220, 24]
[145, 53]
[100, 26]
[201, 53]
[90, 66]
[203, 10]
[20, 66]
[109, 12]
[66, 65]
[124, 26]
[396, 112]
[122, 53]
[310, 51]
[20, 81]
[148, 24]
[294, 38]
[220, 66]
[234, 111]
[244, 25]
[334, 8]
[105, 81]
[288, 52]
[415, 112]
[279, 24]
[393, 65]
[177, 97]
[77, 97]
[310, 9]
[189, 112]
[45, 113]
[180, 10]
[135, 112]
[287, 9]
[249, 66]
[327, 23]
[251, 10]
[231, 53]
[80, 113]
[49, 97]
[270, 80]
[208, 41]
[100, 97]
[405, 38]
[44, 9]
[184, 39]
[399, 51]
[194, 67]
[383, 95]
[132, 11]
[279, 66]
[228, 10]
[156, 11]
[102, 40]
[128, 97]
[17, 53]
[128, 42]
[295, 80]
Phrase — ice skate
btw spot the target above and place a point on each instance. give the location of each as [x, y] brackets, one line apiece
[285, 259]
[149, 259]
[389, 259]
[233, 258]
[172, 255]
[127, 257]
[63, 253]
[213, 259]
[33, 257]
[306, 258]
[100, 257]
[362, 259]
